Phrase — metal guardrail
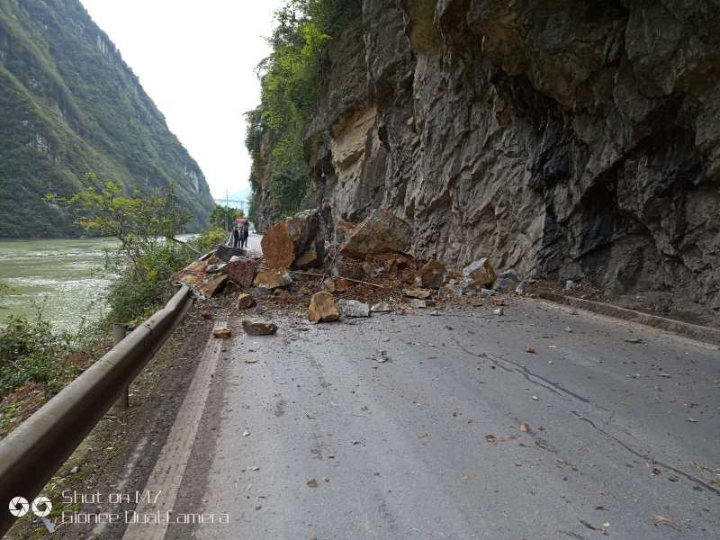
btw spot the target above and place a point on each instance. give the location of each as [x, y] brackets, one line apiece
[35, 450]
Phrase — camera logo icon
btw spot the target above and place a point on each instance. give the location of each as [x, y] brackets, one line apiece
[19, 506]
[41, 506]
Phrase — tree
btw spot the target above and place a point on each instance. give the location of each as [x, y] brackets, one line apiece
[223, 217]
[140, 224]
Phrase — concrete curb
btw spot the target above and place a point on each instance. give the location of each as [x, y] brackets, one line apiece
[694, 331]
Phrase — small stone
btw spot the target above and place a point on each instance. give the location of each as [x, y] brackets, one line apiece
[381, 307]
[499, 312]
[418, 304]
[354, 308]
[569, 330]
[525, 428]
[259, 327]
[323, 308]
[311, 483]
[245, 301]
[222, 333]
[432, 275]
[569, 285]
[506, 282]
[480, 272]
[273, 279]
[420, 294]
[634, 340]
[338, 284]
[529, 350]
[206, 313]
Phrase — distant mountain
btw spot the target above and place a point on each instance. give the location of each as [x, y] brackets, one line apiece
[70, 105]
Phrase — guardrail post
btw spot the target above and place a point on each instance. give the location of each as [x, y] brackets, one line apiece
[119, 331]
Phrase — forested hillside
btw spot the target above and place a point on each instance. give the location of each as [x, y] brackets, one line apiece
[69, 106]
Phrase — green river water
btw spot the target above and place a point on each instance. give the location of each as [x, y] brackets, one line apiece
[63, 277]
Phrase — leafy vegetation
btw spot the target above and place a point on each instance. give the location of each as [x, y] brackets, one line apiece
[36, 361]
[70, 105]
[289, 77]
[147, 255]
[32, 352]
[223, 217]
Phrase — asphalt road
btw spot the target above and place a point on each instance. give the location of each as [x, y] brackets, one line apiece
[431, 443]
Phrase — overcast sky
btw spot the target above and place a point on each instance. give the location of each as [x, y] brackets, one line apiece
[196, 60]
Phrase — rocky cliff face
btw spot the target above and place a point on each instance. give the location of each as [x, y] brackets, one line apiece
[69, 105]
[564, 139]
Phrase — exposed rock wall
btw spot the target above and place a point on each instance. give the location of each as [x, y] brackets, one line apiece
[565, 139]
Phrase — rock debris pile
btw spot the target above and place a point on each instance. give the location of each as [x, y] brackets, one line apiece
[370, 272]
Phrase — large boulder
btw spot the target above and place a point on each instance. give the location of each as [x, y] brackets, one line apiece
[381, 232]
[323, 308]
[297, 239]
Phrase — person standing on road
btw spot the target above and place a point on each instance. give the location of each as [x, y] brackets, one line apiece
[245, 234]
[237, 235]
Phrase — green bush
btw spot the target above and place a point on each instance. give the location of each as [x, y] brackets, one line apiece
[30, 351]
[209, 240]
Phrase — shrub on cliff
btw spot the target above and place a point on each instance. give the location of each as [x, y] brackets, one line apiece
[289, 92]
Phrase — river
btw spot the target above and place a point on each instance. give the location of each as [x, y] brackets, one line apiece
[63, 278]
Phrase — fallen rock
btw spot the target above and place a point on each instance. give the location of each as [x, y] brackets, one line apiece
[432, 275]
[222, 333]
[273, 279]
[323, 308]
[381, 232]
[339, 285]
[241, 272]
[343, 230]
[245, 301]
[195, 270]
[418, 304]
[259, 327]
[421, 294]
[309, 259]
[371, 269]
[347, 268]
[381, 307]
[499, 312]
[206, 313]
[506, 282]
[354, 308]
[212, 287]
[292, 239]
[225, 253]
[480, 272]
